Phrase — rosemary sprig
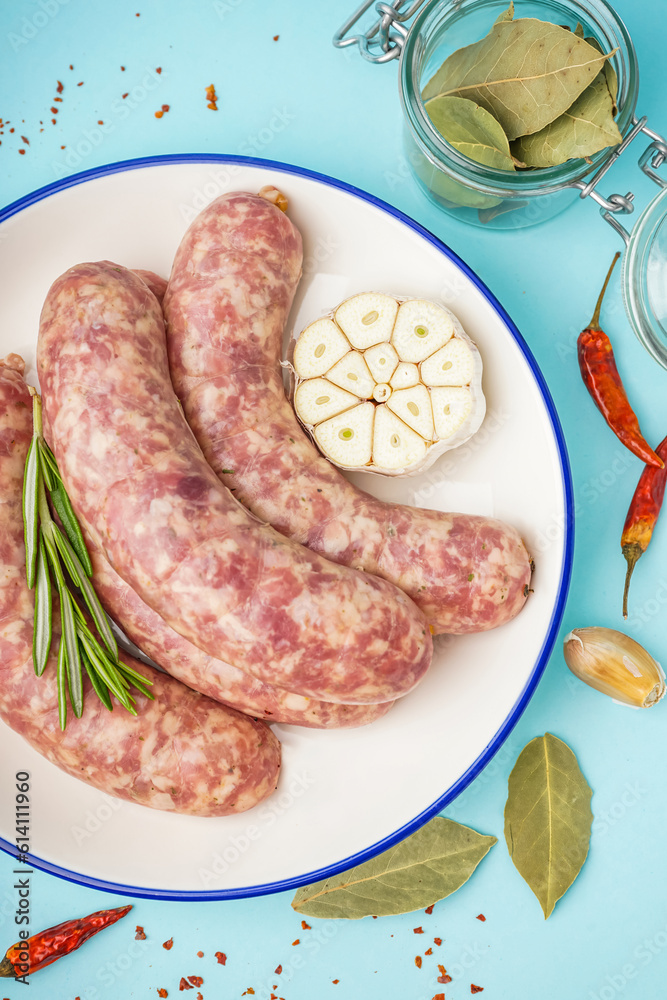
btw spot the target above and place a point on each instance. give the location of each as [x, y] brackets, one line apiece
[61, 555]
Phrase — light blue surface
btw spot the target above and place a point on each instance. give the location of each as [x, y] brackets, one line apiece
[300, 101]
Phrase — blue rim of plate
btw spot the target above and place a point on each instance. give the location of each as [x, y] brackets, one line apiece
[566, 568]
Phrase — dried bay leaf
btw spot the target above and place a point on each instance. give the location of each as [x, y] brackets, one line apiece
[471, 130]
[507, 15]
[525, 72]
[548, 818]
[487, 215]
[432, 863]
[584, 129]
[609, 74]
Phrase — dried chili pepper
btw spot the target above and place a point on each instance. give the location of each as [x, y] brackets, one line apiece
[642, 515]
[601, 378]
[40, 950]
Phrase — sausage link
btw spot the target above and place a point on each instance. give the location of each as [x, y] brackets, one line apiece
[136, 477]
[183, 752]
[212, 677]
[226, 306]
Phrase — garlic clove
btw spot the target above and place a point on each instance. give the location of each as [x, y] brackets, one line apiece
[421, 328]
[382, 361]
[352, 373]
[348, 437]
[405, 376]
[367, 319]
[453, 364]
[616, 665]
[452, 405]
[318, 348]
[413, 406]
[395, 445]
[316, 400]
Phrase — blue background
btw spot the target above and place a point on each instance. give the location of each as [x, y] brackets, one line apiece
[335, 113]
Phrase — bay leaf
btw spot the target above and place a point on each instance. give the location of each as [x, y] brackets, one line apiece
[471, 130]
[548, 818]
[525, 72]
[507, 15]
[584, 129]
[431, 864]
[609, 74]
[579, 32]
[487, 215]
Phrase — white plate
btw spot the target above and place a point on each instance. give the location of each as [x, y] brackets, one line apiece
[343, 796]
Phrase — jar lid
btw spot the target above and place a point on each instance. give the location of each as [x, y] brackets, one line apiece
[645, 278]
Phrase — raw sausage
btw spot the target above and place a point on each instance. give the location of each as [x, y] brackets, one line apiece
[222, 579]
[183, 752]
[213, 677]
[226, 304]
[204, 673]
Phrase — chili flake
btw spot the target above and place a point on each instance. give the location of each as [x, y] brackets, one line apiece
[276, 37]
[100, 122]
[437, 941]
[159, 114]
[221, 957]
[125, 94]
[70, 66]
[168, 944]
[335, 981]
[443, 977]
[298, 941]
[417, 930]
[184, 985]
[158, 69]
[80, 84]
[196, 980]
[200, 997]
[165, 107]
[475, 989]
[60, 87]
[162, 993]
[418, 961]
[305, 926]
[429, 909]
[278, 969]
[140, 935]
[22, 152]
[480, 916]
[429, 951]
[54, 111]
[439, 996]
[200, 954]
[212, 98]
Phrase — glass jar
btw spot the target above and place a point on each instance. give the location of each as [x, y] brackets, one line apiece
[473, 192]
[645, 278]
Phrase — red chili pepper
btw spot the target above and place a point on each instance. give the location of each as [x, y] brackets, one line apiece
[601, 378]
[40, 950]
[642, 516]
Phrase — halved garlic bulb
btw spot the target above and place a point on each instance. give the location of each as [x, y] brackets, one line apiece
[387, 384]
[613, 663]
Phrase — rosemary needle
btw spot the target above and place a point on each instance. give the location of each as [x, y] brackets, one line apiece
[59, 554]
